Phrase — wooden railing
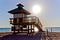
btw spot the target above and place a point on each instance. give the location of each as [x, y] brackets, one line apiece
[27, 19]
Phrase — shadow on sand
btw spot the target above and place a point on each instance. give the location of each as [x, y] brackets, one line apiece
[21, 37]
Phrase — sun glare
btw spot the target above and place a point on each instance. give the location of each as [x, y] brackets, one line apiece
[36, 9]
[36, 29]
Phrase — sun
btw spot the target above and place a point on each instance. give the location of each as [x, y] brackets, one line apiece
[36, 9]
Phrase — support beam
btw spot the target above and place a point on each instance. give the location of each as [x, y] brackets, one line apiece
[28, 29]
[14, 29]
[31, 28]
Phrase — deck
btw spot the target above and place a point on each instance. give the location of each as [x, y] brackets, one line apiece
[31, 20]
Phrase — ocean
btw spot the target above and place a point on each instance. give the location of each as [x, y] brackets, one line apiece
[54, 29]
[5, 29]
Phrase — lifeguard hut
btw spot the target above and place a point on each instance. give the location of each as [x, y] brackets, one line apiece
[22, 22]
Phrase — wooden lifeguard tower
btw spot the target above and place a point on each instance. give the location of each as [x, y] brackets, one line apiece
[22, 23]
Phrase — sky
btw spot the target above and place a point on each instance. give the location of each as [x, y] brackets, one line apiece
[49, 15]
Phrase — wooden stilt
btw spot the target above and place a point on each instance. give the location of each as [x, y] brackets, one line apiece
[28, 29]
[14, 29]
[18, 28]
[31, 28]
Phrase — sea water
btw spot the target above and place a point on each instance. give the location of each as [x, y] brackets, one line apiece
[54, 29]
[5, 29]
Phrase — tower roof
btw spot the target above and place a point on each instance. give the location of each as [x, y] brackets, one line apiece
[19, 10]
[20, 5]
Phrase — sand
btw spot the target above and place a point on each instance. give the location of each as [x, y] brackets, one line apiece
[11, 36]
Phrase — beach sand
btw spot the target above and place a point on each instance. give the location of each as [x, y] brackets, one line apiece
[11, 36]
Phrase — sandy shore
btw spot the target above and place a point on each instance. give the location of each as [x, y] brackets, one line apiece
[11, 36]
[5, 33]
[57, 34]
